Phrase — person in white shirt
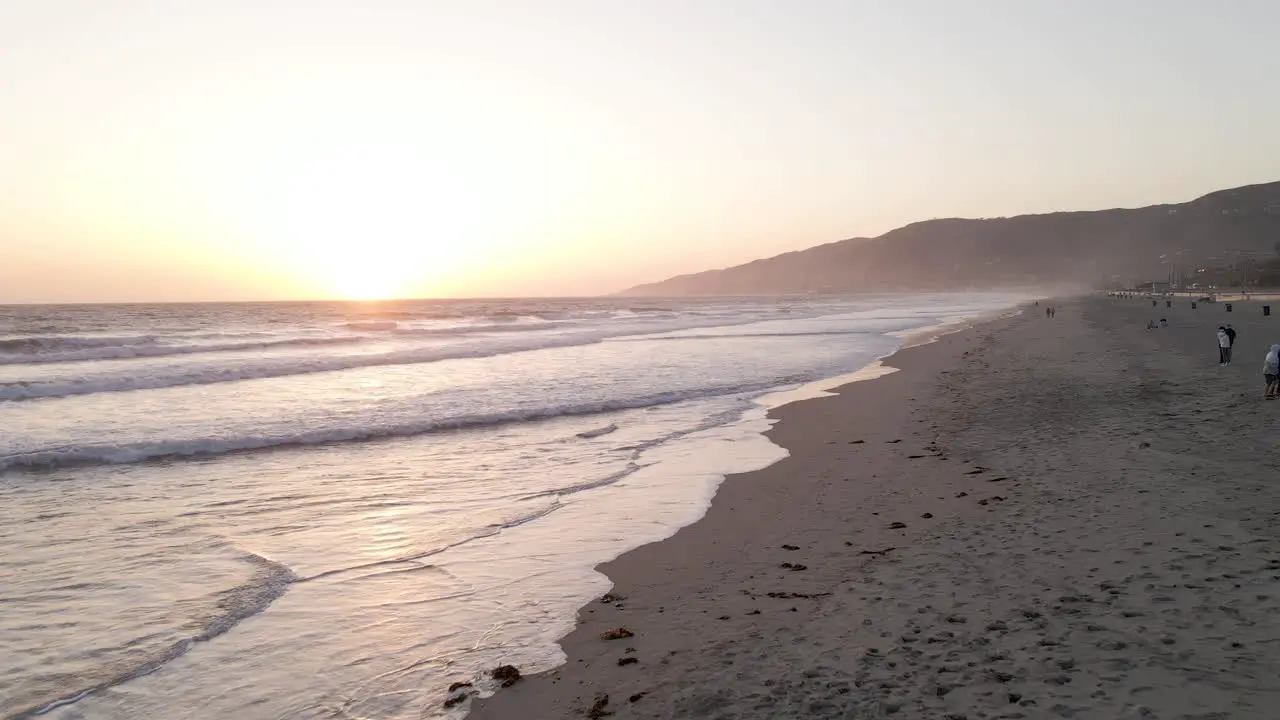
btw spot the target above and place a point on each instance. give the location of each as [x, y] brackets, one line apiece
[1224, 344]
[1271, 372]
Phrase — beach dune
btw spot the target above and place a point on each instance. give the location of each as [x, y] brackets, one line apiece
[1035, 518]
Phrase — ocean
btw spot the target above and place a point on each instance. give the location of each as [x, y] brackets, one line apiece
[334, 510]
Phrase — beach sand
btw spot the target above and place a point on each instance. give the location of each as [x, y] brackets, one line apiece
[1034, 518]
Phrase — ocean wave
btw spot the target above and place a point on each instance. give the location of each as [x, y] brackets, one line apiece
[411, 315]
[560, 492]
[128, 352]
[374, 325]
[119, 454]
[156, 349]
[257, 369]
[268, 582]
[598, 432]
[508, 338]
[260, 368]
[482, 328]
[634, 465]
[52, 343]
[186, 334]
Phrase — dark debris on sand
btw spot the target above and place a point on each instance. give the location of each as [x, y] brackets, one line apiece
[598, 707]
[508, 675]
[458, 693]
[885, 551]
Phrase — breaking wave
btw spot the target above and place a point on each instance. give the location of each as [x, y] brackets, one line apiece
[374, 325]
[53, 343]
[139, 350]
[104, 454]
[259, 368]
[124, 379]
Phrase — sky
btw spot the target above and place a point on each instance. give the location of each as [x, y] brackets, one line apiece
[172, 150]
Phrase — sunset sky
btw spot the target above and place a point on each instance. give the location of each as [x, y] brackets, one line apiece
[272, 149]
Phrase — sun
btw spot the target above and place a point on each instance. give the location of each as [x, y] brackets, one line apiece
[355, 283]
[372, 221]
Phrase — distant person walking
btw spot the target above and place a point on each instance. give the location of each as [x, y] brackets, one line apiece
[1231, 341]
[1224, 344]
[1271, 372]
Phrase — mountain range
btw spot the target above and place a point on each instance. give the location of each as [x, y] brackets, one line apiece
[1117, 247]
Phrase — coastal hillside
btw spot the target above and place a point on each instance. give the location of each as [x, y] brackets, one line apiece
[1098, 248]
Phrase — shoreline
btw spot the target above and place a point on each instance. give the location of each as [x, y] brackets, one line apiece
[776, 406]
[881, 366]
[754, 450]
[1015, 523]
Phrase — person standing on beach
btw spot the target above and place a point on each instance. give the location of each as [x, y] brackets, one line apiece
[1271, 372]
[1231, 341]
[1224, 343]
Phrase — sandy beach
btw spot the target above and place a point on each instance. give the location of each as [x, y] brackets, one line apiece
[1035, 518]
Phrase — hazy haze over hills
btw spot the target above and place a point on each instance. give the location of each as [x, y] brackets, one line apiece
[1090, 247]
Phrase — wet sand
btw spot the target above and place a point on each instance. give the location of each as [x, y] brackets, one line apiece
[1035, 518]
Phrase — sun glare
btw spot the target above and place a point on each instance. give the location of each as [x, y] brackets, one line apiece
[372, 222]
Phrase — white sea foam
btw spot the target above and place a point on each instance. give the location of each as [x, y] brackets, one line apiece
[30, 345]
[90, 453]
[152, 350]
[48, 350]
[107, 379]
